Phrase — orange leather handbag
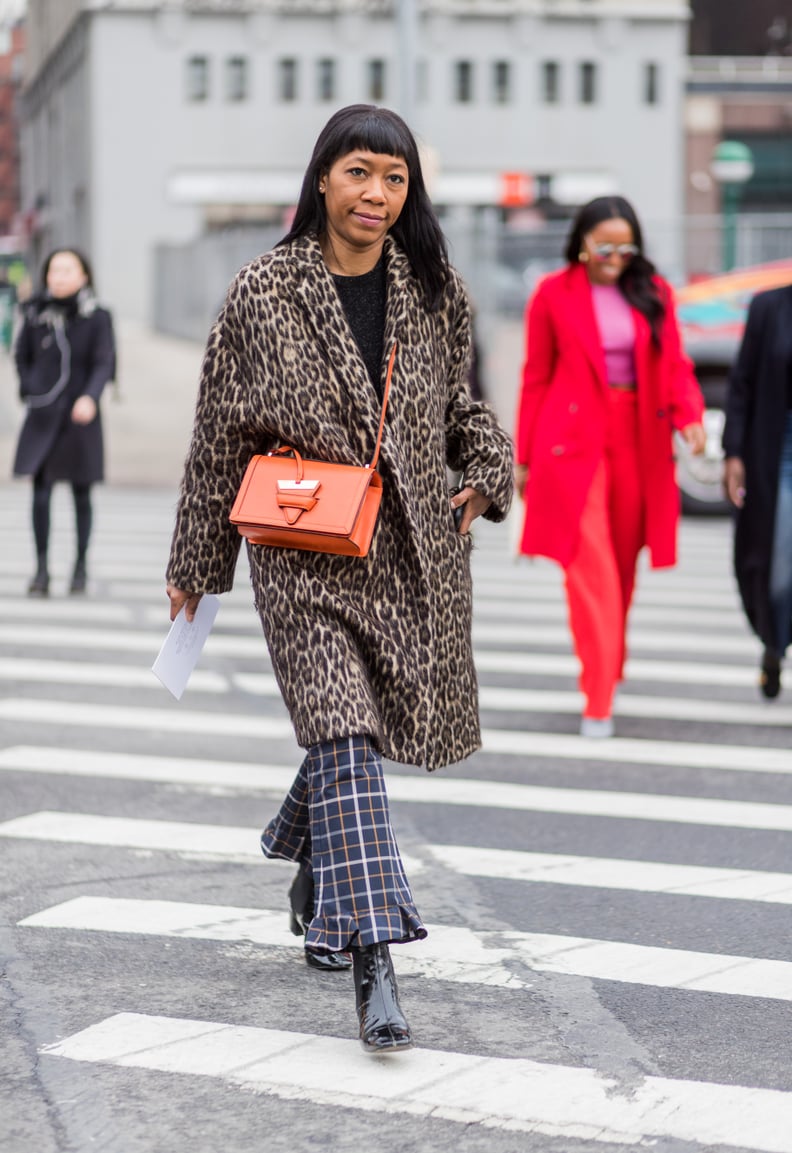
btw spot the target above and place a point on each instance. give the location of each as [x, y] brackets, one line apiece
[313, 505]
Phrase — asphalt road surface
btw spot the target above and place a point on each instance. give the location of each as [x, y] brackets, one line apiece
[609, 964]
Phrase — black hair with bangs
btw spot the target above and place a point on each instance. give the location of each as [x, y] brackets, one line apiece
[417, 231]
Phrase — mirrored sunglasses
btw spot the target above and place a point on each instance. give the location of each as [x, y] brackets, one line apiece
[606, 251]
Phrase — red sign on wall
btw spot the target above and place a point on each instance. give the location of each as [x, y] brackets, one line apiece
[516, 189]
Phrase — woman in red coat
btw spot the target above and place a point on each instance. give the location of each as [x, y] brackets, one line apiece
[605, 383]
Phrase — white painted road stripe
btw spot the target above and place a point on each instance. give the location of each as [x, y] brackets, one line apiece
[123, 640]
[546, 868]
[563, 665]
[487, 634]
[607, 873]
[425, 790]
[115, 676]
[227, 841]
[455, 954]
[167, 719]
[628, 704]
[226, 644]
[495, 1092]
[742, 758]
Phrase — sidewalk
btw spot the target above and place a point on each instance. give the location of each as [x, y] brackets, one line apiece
[147, 418]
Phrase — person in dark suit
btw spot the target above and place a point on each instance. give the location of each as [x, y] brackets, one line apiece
[65, 355]
[757, 442]
[605, 383]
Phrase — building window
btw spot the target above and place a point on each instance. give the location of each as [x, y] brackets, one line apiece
[376, 80]
[463, 81]
[197, 78]
[551, 82]
[588, 82]
[236, 78]
[287, 80]
[651, 84]
[325, 79]
[501, 82]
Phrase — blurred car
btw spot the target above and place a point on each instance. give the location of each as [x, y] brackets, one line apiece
[712, 316]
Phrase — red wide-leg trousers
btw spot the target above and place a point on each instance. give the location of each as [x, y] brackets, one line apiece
[601, 576]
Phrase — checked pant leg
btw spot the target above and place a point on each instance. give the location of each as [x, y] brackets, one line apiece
[287, 835]
[361, 894]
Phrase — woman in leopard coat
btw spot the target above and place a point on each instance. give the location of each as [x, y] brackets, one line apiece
[372, 655]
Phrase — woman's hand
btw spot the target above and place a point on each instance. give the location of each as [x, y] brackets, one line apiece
[83, 410]
[474, 505]
[695, 437]
[520, 479]
[179, 599]
[734, 480]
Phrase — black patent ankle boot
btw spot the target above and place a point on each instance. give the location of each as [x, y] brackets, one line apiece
[39, 586]
[383, 1026]
[301, 900]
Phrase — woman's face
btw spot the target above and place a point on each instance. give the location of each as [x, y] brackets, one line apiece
[364, 194]
[65, 275]
[610, 246]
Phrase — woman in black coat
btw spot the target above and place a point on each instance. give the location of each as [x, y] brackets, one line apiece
[65, 355]
[757, 440]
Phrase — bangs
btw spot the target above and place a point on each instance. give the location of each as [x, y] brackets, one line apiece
[376, 132]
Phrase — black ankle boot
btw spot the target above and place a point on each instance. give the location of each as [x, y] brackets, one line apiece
[301, 899]
[382, 1024]
[79, 576]
[39, 586]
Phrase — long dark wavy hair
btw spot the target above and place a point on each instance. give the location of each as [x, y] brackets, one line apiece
[417, 231]
[636, 279]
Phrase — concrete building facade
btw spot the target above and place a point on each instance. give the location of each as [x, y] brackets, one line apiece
[147, 122]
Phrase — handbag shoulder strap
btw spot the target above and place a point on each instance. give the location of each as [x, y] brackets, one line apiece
[385, 395]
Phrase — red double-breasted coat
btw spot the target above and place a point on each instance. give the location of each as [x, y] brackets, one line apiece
[563, 413]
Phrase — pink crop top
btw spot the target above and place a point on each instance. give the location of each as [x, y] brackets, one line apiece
[617, 332]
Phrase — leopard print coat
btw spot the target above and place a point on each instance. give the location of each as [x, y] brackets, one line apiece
[380, 644]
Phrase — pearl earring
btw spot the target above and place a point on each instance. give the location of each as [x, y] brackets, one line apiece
[583, 256]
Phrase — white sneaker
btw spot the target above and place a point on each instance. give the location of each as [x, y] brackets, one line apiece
[597, 727]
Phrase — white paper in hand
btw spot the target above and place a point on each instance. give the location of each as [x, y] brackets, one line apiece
[183, 645]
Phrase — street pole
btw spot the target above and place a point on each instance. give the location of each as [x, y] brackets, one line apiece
[731, 165]
[730, 200]
[407, 37]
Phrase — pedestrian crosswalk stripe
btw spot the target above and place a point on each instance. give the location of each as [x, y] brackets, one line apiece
[547, 665]
[495, 958]
[512, 1094]
[620, 874]
[628, 704]
[689, 754]
[173, 720]
[125, 640]
[112, 676]
[237, 843]
[445, 790]
[194, 840]
[519, 743]
[487, 633]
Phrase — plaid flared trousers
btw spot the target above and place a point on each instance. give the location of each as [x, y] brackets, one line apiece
[336, 817]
